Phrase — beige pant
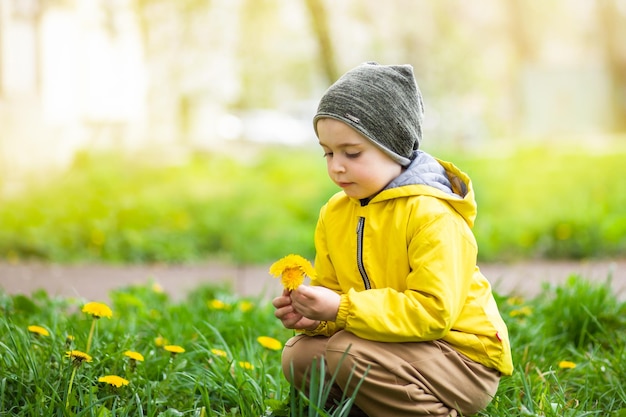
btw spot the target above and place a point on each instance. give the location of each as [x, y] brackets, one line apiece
[403, 379]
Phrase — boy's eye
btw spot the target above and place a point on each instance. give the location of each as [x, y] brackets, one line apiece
[347, 154]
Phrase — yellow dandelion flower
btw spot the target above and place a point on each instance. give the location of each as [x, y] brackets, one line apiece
[174, 349]
[136, 356]
[292, 269]
[515, 301]
[219, 352]
[269, 342]
[97, 310]
[38, 330]
[567, 365]
[78, 357]
[524, 311]
[114, 380]
[217, 305]
[246, 306]
[246, 365]
[160, 341]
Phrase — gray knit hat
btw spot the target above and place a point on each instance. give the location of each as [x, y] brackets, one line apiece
[381, 102]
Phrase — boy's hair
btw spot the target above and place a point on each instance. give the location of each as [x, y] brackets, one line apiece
[381, 102]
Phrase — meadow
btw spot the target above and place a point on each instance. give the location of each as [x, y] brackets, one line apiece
[217, 354]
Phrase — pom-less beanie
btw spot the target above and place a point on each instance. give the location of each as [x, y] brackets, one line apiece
[381, 102]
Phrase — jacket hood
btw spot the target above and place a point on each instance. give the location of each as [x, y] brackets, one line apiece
[430, 176]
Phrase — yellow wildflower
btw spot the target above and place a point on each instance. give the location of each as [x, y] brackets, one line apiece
[245, 306]
[567, 365]
[97, 310]
[246, 365]
[523, 311]
[174, 349]
[116, 381]
[157, 288]
[217, 304]
[160, 341]
[269, 342]
[38, 330]
[78, 357]
[515, 301]
[292, 269]
[134, 355]
[219, 352]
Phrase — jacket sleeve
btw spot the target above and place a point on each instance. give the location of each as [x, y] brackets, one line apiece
[442, 257]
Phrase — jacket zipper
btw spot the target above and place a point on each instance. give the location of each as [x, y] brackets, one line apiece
[359, 253]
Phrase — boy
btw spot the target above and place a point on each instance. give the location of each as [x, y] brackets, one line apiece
[396, 283]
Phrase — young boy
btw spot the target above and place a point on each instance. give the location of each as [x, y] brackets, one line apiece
[396, 284]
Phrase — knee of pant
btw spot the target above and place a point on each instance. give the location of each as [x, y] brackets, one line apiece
[292, 367]
[339, 351]
[296, 363]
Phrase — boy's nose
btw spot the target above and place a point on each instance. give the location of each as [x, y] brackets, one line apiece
[336, 165]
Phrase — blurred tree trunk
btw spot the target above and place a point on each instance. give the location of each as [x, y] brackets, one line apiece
[172, 38]
[521, 53]
[1, 52]
[615, 58]
[37, 19]
[319, 20]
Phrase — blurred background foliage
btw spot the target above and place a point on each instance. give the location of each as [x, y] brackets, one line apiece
[534, 203]
[178, 131]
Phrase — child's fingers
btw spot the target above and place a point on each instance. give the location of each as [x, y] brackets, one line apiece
[281, 301]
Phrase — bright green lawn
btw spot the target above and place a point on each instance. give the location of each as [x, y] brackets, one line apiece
[533, 203]
[568, 343]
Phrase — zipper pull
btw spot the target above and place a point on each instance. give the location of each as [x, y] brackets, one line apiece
[359, 225]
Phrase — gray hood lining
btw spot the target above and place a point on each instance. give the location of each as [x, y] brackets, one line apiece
[425, 170]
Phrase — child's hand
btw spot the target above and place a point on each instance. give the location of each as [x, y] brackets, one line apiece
[317, 303]
[290, 318]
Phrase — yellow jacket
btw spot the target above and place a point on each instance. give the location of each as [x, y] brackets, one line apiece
[404, 264]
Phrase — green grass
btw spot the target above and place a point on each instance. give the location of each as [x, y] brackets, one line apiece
[533, 203]
[225, 371]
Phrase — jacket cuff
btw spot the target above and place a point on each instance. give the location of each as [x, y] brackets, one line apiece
[320, 329]
[342, 313]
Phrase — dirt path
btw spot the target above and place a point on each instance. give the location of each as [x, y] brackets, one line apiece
[94, 282]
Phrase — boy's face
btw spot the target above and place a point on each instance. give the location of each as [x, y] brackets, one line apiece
[353, 162]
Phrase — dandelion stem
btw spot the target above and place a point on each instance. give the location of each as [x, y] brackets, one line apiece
[69, 389]
[93, 327]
